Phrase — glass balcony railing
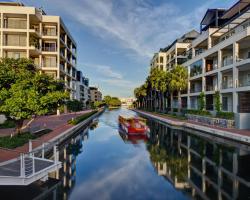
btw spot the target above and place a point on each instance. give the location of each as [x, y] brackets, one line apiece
[227, 61]
[50, 49]
[227, 85]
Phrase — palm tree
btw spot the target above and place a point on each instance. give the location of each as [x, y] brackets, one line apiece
[178, 82]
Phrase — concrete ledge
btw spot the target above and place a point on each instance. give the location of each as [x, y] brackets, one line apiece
[213, 131]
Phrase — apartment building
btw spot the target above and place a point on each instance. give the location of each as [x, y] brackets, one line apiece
[220, 61]
[159, 60]
[82, 89]
[95, 94]
[27, 32]
[174, 54]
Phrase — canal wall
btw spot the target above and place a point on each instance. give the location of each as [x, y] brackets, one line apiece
[232, 134]
[65, 135]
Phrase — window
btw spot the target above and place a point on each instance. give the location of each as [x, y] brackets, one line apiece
[50, 61]
[224, 103]
[161, 59]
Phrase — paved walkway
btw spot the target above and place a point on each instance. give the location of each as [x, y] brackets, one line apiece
[230, 133]
[58, 124]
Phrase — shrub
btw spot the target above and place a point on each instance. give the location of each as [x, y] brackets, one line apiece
[15, 141]
[81, 118]
[8, 124]
[217, 101]
[202, 101]
[225, 115]
[199, 112]
[175, 109]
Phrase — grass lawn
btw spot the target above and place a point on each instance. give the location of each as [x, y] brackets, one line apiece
[81, 118]
[16, 141]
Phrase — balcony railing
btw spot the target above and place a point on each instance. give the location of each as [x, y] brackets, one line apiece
[227, 85]
[227, 61]
[50, 49]
[15, 24]
[49, 32]
[195, 90]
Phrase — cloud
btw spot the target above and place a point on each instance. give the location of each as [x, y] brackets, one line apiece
[104, 70]
[136, 25]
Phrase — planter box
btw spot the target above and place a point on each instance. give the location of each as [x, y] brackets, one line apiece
[223, 123]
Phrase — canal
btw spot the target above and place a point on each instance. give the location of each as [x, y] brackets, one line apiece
[171, 163]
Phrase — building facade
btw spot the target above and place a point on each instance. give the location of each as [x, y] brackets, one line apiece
[220, 61]
[27, 32]
[82, 89]
[95, 94]
[174, 54]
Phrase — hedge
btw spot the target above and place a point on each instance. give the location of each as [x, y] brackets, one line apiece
[225, 115]
[81, 118]
[16, 141]
[199, 112]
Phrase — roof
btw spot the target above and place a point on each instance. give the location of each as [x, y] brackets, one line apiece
[189, 35]
[5, 3]
[235, 9]
[210, 15]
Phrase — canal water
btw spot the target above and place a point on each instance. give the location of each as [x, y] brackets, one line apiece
[102, 163]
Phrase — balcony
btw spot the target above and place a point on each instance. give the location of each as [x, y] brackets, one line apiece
[15, 23]
[196, 68]
[49, 32]
[227, 83]
[244, 77]
[227, 61]
[14, 40]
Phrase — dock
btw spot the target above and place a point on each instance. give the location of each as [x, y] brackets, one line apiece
[29, 167]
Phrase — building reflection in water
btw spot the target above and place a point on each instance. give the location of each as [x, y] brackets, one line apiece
[68, 153]
[203, 166]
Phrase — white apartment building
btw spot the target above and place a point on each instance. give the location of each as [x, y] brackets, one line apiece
[220, 61]
[159, 60]
[174, 54]
[82, 89]
[27, 32]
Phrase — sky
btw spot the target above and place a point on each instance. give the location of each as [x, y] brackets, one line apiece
[116, 39]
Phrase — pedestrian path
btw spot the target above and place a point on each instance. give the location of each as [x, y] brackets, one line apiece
[234, 134]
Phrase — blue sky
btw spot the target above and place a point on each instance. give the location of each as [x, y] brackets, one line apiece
[117, 38]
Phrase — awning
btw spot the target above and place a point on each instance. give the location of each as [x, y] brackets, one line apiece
[233, 23]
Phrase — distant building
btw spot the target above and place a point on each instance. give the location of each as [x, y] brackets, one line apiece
[95, 94]
[82, 89]
[127, 102]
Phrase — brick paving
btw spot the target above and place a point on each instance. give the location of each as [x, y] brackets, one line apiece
[58, 124]
[231, 130]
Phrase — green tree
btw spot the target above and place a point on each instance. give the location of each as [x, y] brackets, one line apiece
[107, 99]
[115, 102]
[74, 105]
[217, 101]
[25, 93]
[178, 82]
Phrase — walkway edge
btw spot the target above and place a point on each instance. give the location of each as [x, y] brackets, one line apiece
[71, 131]
[212, 131]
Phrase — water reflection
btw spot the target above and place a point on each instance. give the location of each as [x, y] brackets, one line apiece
[202, 166]
[170, 163]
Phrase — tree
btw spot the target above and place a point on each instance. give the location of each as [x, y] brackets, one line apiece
[74, 105]
[107, 99]
[115, 102]
[25, 93]
[202, 101]
[178, 82]
[217, 101]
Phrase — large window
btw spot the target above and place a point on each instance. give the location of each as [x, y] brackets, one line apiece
[196, 68]
[49, 46]
[50, 62]
[49, 31]
[15, 40]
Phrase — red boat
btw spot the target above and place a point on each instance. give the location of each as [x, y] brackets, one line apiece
[133, 125]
